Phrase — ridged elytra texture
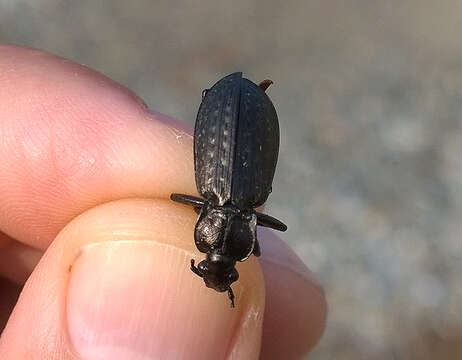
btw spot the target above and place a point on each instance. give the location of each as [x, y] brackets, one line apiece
[236, 143]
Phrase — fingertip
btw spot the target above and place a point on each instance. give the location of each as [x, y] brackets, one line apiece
[116, 283]
[72, 139]
[296, 306]
[295, 314]
[170, 311]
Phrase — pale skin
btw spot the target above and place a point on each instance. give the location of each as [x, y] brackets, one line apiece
[86, 167]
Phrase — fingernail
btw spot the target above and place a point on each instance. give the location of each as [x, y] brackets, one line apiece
[139, 300]
[278, 252]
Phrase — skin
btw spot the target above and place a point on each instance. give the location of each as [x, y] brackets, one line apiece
[88, 232]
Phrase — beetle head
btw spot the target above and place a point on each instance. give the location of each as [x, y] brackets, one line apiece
[217, 271]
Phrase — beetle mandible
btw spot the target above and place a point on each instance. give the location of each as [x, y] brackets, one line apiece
[236, 145]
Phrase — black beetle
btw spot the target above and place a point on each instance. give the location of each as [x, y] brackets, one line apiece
[236, 145]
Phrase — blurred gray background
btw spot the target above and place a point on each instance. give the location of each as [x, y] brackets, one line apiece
[369, 100]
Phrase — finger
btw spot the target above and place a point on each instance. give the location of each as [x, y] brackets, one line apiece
[116, 284]
[72, 139]
[67, 171]
[10, 292]
[297, 326]
[17, 261]
[296, 307]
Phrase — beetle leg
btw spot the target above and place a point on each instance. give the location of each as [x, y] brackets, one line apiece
[194, 269]
[188, 200]
[231, 296]
[256, 248]
[265, 84]
[271, 222]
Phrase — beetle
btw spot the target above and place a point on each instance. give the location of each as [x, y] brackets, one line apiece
[236, 145]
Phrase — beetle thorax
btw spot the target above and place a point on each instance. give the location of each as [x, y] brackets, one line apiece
[226, 230]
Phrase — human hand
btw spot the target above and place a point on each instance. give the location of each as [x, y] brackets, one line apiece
[85, 176]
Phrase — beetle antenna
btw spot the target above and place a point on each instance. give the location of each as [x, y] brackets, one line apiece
[195, 270]
[265, 84]
[231, 296]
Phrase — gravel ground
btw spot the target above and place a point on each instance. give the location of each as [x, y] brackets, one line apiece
[370, 172]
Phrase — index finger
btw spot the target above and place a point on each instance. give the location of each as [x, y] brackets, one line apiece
[72, 139]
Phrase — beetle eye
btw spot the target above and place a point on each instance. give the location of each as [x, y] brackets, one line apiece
[203, 266]
[204, 92]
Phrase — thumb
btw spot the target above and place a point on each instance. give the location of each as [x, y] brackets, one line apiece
[116, 284]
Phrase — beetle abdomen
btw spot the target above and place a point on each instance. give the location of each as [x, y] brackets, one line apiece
[257, 148]
[214, 139]
[236, 143]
